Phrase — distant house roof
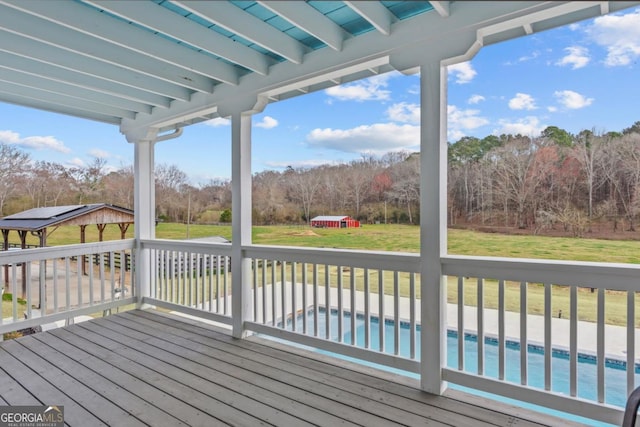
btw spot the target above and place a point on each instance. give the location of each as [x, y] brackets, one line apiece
[330, 218]
[39, 218]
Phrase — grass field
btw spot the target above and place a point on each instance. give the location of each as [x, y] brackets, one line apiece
[402, 238]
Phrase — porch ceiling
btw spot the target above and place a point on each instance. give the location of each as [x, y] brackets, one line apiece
[163, 65]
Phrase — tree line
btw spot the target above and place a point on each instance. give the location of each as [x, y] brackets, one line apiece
[556, 180]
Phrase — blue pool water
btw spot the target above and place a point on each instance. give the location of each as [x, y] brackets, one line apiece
[615, 374]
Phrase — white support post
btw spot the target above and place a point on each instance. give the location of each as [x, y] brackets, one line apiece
[145, 212]
[433, 224]
[241, 220]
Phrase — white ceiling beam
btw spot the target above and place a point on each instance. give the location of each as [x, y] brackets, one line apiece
[35, 82]
[234, 19]
[67, 39]
[309, 20]
[532, 18]
[54, 72]
[375, 13]
[442, 7]
[64, 100]
[46, 54]
[93, 23]
[157, 18]
[54, 107]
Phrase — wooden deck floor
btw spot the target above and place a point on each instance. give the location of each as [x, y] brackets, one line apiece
[151, 368]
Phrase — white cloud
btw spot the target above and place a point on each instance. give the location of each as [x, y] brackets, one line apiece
[577, 57]
[552, 109]
[217, 122]
[475, 99]
[528, 126]
[76, 162]
[620, 35]
[404, 113]
[463, 72]
[572, 100]
[371, 89]
[378, 138]
[33, 142]
[533, 56]
[101, 154]
[460, 121]
[267, 122]
[522, 101]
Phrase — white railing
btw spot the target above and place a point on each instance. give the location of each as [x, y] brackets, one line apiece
[578, 286]
[59, 283]
[331, 299]
[323, 297]
[191, 277]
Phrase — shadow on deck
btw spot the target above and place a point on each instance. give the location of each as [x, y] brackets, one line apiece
[152, 368]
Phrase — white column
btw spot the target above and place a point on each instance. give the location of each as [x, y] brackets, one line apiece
[241, 220]
[433, 224]
[145, 212]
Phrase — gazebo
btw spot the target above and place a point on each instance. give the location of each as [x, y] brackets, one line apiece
[38, 222]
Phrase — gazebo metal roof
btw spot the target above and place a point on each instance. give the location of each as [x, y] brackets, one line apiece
[162, 65]
[37, 219]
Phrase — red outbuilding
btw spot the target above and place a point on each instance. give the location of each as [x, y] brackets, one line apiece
[334, 221]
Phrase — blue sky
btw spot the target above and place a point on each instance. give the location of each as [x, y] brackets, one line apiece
[583, 76]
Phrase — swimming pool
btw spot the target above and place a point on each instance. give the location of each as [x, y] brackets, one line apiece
[615, 373]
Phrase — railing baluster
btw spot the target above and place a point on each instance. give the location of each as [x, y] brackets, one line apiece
[112, 269]
[412, 315]
[283, 293]
[460, 323]
[547, 336]
[55, 285]
[327, 298]
[524, 345]
[67, 282]
[14, 293]
[501, 330]
[600, 344]
[79, 281]
[101, 274]
[305, 301]
[367, 310]
[631, 340]
[396, 313]
[573, 341]
[294, 305]
[381, 316]
[219, 261]
[316, 327]
[254, 268]
[264, 291]
[274, 307]
[340, 306]
[480, 326]
[211, 288]
[91, 284]
[352, 304]
[225, 284]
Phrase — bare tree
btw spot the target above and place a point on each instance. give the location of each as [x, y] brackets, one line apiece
[303, 186]
[13, 166]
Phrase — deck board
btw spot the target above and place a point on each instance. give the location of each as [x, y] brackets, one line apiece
[152, 368]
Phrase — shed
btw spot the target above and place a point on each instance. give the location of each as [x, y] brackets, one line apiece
[334, 221]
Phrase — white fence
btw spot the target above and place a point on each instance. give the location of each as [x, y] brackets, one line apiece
[50, 284]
